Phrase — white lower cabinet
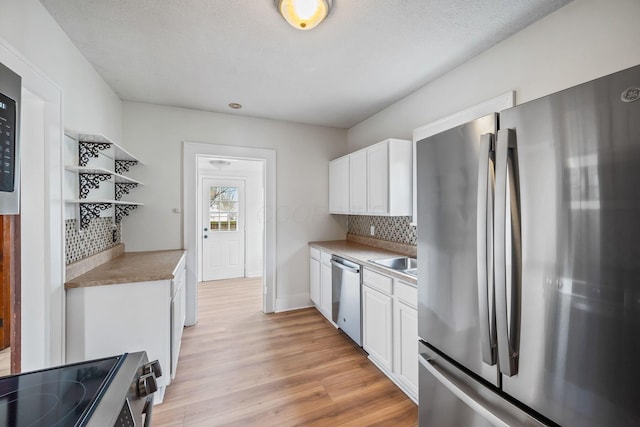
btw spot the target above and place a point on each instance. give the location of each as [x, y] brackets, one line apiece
[314, 281]
[377, 327]
[325, 290]
[107, 320]
[390, 328]
[320, 290]
[405, 334]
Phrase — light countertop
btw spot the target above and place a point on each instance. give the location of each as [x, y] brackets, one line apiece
[361, 254]
[131, 267]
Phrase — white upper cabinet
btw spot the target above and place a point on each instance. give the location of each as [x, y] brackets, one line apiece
[358, 182]
[379, 180]
[339, 185]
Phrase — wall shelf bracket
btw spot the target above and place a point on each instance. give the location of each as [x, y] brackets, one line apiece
[122, 211]
[123, 166]
[122, 188]
[86, 150]
[89, 211]
[90, 181]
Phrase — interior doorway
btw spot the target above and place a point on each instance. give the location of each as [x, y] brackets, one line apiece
[257, 168]
[9, 294]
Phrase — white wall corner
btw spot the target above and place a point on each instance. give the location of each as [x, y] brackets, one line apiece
[293, 302]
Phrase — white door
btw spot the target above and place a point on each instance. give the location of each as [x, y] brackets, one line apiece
[223, 234]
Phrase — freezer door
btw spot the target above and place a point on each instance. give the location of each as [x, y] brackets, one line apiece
[578, 155]
[448, 166]
[450, 397]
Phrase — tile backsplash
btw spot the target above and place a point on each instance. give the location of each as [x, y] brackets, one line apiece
[389, 228]
[101, 234]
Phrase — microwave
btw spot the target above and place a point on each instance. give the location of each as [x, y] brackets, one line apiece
[10, 90]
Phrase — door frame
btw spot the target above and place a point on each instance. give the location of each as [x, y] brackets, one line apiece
[201, 180]
[190, 153]
[39, 339]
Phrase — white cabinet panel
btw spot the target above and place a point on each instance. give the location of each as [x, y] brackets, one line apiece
[405, 335]
[378, 178]
[314, 281]
[325, 290]
[377, 326]
[339, 185]
[358, 182]
[378, 281]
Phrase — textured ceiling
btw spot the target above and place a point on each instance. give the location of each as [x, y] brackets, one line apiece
[204, 54]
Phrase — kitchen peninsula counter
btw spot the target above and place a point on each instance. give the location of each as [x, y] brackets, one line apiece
[131, 267]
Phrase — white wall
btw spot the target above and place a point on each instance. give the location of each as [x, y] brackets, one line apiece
[582, 41]
[89, 104]
[56, 79]
[155, 134]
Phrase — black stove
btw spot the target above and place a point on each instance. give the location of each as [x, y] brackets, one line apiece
[114, 391]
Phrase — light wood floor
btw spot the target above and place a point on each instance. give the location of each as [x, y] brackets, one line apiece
[5, 362]
[240, 367]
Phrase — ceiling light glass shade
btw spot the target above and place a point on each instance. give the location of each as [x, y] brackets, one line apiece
[304, 14]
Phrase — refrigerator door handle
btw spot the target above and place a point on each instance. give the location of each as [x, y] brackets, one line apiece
[488, 413]
[507, 321]
[484, 252]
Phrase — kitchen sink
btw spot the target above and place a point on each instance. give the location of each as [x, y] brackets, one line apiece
[403, 264]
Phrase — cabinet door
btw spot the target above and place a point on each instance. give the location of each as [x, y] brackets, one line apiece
[314, 281]
[358, 182]
[406, 345]
[325, 290]
[339, 185]
[377, 326]
[378, 178]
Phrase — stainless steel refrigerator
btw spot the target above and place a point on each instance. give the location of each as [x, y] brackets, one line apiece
[529, 248]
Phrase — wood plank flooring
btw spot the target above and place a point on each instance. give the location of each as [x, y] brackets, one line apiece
[240, 367]
[5, 362]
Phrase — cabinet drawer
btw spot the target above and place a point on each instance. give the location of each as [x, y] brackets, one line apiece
[378, 281]
[326, 258]
[406, 293]
[314, 253]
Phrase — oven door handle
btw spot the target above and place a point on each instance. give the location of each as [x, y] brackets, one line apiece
[147, 410]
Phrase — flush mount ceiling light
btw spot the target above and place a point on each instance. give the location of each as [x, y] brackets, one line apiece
[235, 106]
[220, 163]
[304, 14]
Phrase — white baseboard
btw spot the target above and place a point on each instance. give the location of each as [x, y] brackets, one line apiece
[293, 302]
[256, 273]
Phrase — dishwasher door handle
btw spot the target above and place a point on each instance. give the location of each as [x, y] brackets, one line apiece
[344, 267]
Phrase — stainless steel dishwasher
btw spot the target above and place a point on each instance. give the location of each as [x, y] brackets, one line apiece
[346, 306]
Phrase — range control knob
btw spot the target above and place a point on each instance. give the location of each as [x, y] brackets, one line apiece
[152, 368]
[147, 385]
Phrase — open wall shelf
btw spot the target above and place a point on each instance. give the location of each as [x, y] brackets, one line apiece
[89, 178]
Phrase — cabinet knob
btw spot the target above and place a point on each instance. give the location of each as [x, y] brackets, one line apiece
[147, 385]
[152, 368]
[205, 236]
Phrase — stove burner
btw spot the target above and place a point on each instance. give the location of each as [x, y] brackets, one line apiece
[60, 397]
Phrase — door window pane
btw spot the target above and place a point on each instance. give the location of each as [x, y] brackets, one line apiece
[223, 208]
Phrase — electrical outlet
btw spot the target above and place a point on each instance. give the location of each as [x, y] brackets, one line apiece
[373, 230]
